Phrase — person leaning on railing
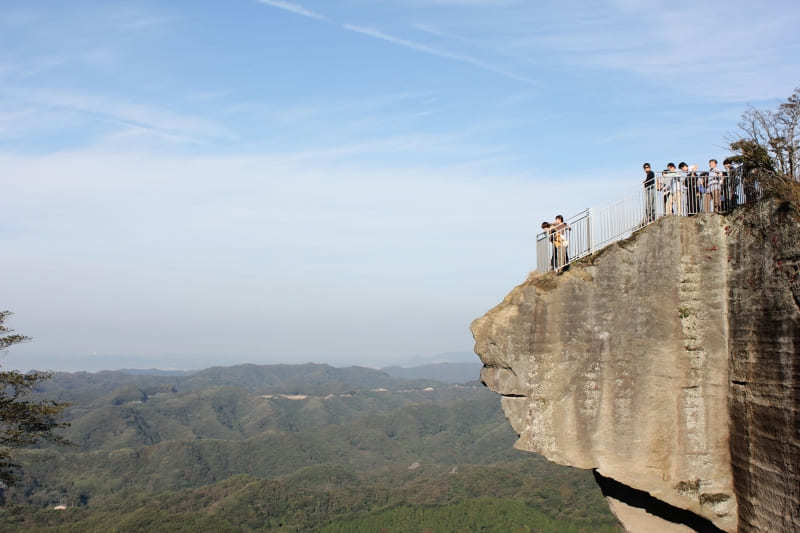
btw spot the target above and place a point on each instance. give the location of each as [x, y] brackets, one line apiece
[547, 228]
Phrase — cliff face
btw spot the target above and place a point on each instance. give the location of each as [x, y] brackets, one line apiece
[764, 367]
[669, 364]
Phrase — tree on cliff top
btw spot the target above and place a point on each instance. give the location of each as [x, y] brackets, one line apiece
[770, 140]
[23, 421]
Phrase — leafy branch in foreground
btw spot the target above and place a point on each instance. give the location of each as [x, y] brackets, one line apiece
[23, 421]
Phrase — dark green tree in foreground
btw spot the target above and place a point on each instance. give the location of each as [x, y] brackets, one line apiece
[23, 421]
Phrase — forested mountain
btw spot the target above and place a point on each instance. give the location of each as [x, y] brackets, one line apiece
[290, 448]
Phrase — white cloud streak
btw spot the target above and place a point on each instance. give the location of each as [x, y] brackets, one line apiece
[377, 34]
[293, 8]
[426, 28]
[419, 47]
[47, 104]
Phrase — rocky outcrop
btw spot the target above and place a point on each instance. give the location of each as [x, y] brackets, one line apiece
[668, 363]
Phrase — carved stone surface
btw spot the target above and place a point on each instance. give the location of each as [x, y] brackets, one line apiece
[668, 362]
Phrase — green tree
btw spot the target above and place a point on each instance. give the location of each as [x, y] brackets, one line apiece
[24, 421]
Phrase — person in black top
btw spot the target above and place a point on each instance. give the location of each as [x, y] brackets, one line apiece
[689, 188]
[649, 185]
[733, 181]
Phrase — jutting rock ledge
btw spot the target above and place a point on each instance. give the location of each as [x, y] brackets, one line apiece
[668, 363]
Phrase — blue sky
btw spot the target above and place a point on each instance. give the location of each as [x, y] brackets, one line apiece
[187, 184]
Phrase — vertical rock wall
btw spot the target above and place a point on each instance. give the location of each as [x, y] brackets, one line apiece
[764, 343]
[628, 364]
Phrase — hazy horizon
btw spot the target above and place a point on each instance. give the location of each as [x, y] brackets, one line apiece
[186, 363]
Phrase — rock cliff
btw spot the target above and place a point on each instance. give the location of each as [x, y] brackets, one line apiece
[668, 363]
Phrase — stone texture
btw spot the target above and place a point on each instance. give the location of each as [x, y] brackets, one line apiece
[636, 520]
[764, 367]
[667, 362]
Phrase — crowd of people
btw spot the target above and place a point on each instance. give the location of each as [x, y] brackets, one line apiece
[686, 190]
[677, 190]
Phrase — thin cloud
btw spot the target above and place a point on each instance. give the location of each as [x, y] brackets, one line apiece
[131, 116]
[426, 28]
[468, 3]
[142, 23]
[376, 34]
[297, 9]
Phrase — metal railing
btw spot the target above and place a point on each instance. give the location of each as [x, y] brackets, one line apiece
[671, 193]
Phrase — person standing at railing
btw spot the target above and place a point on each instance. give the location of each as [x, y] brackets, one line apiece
[649, 185]
[669, 185]
[686, 189]
[705, 193]
[688, 177]
[716, 182]
[561, 232]
[732, 182]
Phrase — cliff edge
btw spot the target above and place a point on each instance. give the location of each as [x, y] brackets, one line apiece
[668, 363]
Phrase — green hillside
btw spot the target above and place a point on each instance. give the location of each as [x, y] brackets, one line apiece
[352, 450]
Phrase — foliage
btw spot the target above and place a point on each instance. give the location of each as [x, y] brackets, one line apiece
[771, 139]
[332, 498]
[23, 421]
[176, 441]
[153, 453]
[768, 149]
[476, 514]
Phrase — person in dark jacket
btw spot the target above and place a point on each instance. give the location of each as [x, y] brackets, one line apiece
[649, 185]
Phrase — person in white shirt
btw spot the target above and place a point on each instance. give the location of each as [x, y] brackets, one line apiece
[668, 186]
[716, 181]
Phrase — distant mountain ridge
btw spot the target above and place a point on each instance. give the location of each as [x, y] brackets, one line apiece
[444, 372]
[309, 378]
[155, 372]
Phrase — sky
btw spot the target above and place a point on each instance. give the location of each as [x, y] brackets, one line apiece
[189, 184]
